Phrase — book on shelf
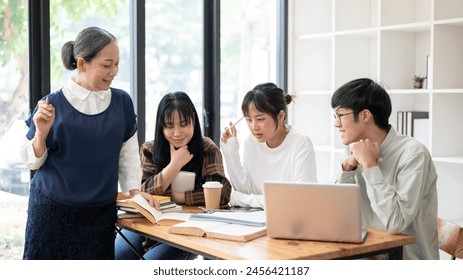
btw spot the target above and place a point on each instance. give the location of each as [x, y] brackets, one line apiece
[219, 230]
[256, 219]
[400, 122]
[415, 124]
[155, 216]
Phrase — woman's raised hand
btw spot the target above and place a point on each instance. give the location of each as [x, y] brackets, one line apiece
[44, 117]
[228, 133]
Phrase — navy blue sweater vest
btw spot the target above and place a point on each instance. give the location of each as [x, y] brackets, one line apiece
[83, 157]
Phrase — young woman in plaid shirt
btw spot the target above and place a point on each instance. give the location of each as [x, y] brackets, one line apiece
[178, 145]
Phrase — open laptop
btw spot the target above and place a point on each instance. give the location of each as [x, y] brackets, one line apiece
[313, 211]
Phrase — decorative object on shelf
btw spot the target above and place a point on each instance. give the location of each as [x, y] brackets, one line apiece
[418, 81]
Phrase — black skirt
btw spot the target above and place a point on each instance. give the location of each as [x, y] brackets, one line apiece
[55, 231]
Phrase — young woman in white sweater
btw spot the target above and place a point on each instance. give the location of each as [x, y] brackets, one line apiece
[273, 151]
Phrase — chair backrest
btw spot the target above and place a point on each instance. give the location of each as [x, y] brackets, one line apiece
[450, 236]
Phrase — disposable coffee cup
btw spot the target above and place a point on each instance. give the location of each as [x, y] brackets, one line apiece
[212, 192]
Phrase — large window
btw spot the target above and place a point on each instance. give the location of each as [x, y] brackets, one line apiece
[13, 94]
[248, 54]
[14, 78]
[69, 17]
[174, 53]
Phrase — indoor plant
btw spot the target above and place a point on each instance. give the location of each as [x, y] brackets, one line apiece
[418, 81]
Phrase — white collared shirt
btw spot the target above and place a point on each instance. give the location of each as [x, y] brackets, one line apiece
[92, 103]
[86, 101]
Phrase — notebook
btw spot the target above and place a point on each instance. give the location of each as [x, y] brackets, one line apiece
[313, 211]
[184, 181]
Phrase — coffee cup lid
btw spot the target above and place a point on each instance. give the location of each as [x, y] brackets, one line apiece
[212, 184]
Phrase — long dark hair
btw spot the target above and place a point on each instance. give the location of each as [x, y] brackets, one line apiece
[178, 102]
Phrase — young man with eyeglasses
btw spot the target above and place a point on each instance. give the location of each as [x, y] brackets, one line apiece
[395, 172]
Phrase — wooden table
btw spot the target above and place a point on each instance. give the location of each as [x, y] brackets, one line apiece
[266, 248]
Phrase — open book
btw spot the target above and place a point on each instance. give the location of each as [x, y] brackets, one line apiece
[220, 230]
[155, 216]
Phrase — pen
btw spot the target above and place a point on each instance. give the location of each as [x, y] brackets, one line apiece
[234, 123]
[210, 211]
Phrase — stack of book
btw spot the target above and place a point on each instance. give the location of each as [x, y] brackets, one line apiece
[166, 205]
[166, 217]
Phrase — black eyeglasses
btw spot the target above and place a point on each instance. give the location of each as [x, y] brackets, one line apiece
[338, 116]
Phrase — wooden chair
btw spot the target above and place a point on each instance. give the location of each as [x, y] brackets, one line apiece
[450, 236]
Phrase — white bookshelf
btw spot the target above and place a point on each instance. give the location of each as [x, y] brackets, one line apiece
[334, 41]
